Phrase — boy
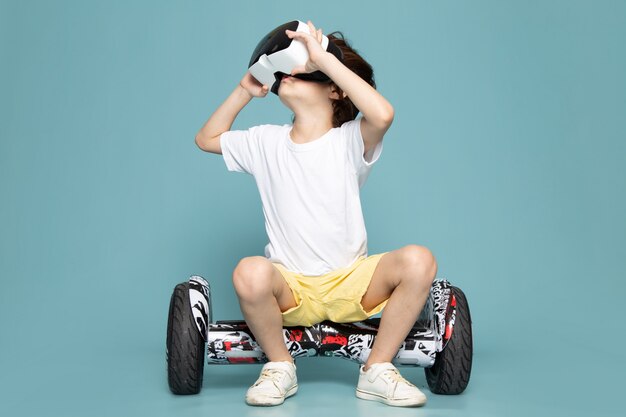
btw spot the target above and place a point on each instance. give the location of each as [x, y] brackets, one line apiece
[316, 266]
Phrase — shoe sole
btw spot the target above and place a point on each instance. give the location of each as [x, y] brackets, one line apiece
[408, 402]
[270, 401]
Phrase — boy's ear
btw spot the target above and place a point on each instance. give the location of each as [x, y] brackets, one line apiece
[334, 93]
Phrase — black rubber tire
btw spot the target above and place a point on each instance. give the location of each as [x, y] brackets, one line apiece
[451, 372]
[185, 345]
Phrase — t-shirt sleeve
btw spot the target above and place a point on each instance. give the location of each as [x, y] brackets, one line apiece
[240, 149]
[355, 148]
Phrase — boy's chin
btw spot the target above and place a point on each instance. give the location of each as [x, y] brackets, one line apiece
[285, 99]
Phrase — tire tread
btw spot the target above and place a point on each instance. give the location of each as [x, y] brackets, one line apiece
[185, 346]
[453, 365]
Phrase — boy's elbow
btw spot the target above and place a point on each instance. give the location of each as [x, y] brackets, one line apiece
[209, 144]
[383, 117]
[388, 115]
[199, 141]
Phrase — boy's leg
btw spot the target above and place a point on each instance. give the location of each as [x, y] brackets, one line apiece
[404, 278]
[263, 295]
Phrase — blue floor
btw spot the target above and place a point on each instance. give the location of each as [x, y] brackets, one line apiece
[132, 381]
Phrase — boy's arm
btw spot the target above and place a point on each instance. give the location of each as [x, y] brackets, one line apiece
[208, 138]
[377, 111]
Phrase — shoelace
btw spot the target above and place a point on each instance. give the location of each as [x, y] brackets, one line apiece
[396, 377]
[268, 375]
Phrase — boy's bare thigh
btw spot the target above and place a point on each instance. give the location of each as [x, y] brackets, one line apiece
[392, 268]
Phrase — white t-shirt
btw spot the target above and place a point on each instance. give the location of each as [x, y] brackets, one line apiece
[309, 192]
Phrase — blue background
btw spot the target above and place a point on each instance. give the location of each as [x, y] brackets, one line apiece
[506, 158]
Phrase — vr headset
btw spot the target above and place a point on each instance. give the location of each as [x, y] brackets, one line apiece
[277, 54]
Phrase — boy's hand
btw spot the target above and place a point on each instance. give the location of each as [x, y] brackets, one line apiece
[253, 86]
[313, 44]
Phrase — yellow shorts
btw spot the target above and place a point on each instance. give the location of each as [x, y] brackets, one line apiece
[334, 296]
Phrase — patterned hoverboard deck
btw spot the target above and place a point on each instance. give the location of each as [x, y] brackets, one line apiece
[232, 342]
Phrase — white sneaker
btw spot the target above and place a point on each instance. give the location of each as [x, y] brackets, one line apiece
[277, 382]
[382, 382]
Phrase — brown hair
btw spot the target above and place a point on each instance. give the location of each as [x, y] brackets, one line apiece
[343, 108]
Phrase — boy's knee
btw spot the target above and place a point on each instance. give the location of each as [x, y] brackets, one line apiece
[421, 262]
[252, 277]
